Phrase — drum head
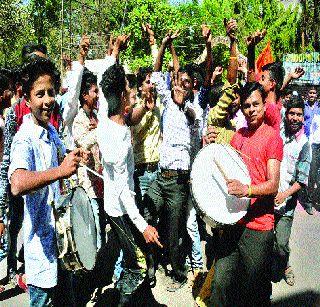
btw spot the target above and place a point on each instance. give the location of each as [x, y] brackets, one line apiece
[83, 228]
[209, 188]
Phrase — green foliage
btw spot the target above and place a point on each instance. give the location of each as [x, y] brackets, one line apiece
[40, 20]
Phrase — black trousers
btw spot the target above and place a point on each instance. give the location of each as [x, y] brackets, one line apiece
[134, 248]
[16, 209]
[243, 268]
[171, 195]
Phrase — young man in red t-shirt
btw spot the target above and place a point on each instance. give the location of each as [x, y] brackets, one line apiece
[242, 269]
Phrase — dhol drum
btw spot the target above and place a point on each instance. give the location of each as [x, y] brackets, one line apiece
[76, 231]
[214, 164]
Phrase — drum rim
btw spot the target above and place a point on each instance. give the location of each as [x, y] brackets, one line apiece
[72, 259]
[194, 199]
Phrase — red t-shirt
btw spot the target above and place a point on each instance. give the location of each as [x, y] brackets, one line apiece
[21, 109]
[272, 115]
[257, 148]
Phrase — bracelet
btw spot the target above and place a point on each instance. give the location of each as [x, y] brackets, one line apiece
[249, 191]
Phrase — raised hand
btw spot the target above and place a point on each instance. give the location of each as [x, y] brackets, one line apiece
[231, 28]
[122, 42]
[206, 32]
[66, 60]
[168, 39]
[217, 72]
[256, 37]
[84, 45]
[148, 29]
[297, 73]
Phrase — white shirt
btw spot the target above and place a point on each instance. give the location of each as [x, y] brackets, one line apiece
[314, 137]
[71, 106]
[118, 166]
[37, 149]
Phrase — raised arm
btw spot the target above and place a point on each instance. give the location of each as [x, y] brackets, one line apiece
[165, 42]
[147, 28]
[231, 27]
[294, 75]
[252, 40]
[206, 33]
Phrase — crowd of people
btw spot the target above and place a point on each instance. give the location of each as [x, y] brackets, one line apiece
[129, 139]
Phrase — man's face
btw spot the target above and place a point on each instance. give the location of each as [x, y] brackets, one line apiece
[133, 96]
[266, 81]
[147, 88]
[295, 119]
[41, 101]
[312, 95]
[184, 81]
[92, 97]
[253, 110]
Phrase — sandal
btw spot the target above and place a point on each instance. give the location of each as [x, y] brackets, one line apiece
[289, 276]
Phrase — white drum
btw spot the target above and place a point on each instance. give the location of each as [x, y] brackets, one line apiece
[212, 166]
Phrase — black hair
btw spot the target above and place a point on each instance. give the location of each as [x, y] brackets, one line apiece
[88, 79]
[113, 84]
[312, 87]
[142, 74]
[246, 91]
[4, 83]
[35, 68]
[132, 81]
[195, 71]
[29, 48]
[295, 102]
[277, 73]
[16, 78]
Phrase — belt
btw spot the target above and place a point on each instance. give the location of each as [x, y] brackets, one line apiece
[150, 167]
[168, 173]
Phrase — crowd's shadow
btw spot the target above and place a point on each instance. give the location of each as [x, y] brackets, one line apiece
[12, 292]
[304, 299]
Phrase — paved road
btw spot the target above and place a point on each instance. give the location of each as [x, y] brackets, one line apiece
[305, 259]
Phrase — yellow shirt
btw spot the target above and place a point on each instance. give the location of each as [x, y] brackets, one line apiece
[219, 117]
[147, 136]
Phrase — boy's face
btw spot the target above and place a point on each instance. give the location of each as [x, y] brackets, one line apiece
[266, 81]
[312, 95]
[92, 97]
[41, 101]
[295, 119]
[253, 109]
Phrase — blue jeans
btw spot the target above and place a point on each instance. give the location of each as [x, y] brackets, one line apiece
[142, 182]
[193, 232]
[40, 297]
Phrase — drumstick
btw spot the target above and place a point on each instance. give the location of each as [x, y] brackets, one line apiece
[91, 170]
[220, 169]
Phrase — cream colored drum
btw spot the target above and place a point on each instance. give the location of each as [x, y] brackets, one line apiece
[212, 166]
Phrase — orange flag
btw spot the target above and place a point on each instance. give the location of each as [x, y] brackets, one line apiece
[265, 57]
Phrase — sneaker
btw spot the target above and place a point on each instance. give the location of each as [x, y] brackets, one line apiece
[130, 281]
[289, 276]
[176, 285]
